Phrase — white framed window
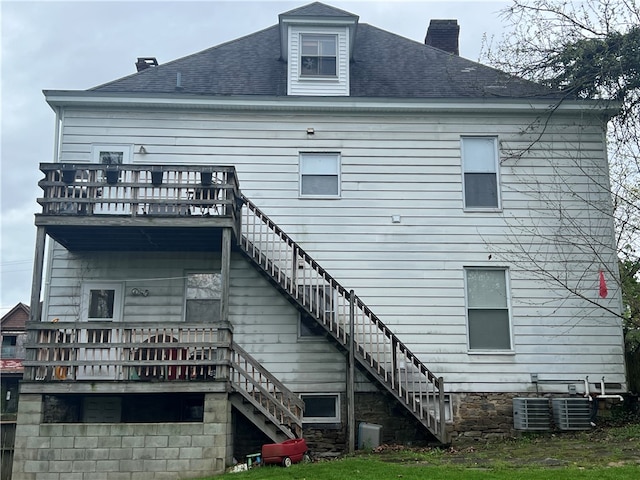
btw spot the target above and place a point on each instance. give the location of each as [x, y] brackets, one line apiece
[319, 55]
[111, 154]
[321, 407]
[488, 312]
[319, 174]
[480, 172]
[203, 291]
[102, 301]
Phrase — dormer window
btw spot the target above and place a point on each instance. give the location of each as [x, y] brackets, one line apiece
[319, 55]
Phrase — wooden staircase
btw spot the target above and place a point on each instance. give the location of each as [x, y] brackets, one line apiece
[260, 397]
[345, 318]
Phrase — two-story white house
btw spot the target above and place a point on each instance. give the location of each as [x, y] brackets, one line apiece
[313, 226]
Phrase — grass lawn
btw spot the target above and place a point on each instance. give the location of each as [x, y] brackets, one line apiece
[601, 454]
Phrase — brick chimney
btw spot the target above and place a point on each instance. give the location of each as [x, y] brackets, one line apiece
[443, 34]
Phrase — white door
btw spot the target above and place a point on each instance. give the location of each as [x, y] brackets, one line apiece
[100, 345]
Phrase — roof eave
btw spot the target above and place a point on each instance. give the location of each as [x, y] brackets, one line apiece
[76, 98]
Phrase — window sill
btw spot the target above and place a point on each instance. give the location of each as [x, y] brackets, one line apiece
[319, 78]
[319, 197]
[491, 352]
[482, 210]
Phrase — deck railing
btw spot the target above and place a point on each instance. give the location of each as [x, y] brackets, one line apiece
[341, 312]
[265, 392]
[134, 190]
[102, 351]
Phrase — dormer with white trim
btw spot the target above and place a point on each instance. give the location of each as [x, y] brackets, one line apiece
[316, 42]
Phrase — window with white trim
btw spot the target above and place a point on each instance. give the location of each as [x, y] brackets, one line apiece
[203, 294]
[319, 175]
[102, 301]
[319, 55]
[488, 317]
[480, 172]
[321, 408]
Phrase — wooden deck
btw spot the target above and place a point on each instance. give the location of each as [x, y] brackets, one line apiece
[138, 207]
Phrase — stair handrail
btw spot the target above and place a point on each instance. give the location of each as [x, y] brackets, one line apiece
[278, 403]
[401, 357]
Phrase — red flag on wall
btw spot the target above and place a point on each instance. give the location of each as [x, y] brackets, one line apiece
[603, 285]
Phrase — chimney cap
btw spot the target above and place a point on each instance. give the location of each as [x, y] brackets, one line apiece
[145, 62]
[443, 35]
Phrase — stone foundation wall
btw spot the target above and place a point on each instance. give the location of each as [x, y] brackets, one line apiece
[398, 425]
[121, 451]
[482, 415]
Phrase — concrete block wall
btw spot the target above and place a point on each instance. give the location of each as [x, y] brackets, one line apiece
[122, 451]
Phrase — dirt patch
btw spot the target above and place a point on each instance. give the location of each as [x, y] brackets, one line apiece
[607, 446]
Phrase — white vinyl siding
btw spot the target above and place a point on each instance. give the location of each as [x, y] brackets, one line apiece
[411, 273]
[480, 173]
[319, 175]
[488, 318]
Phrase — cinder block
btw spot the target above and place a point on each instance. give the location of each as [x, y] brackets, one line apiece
[131, 441]
[120, 453]
[191, 452]
[51, 430]
[36, 466]
[86, 442]
[84, 466]
[179, 465]
[180, 441]
[191, 429]
[168, 453]
[157, 441]
[109, 442]
[97, 454]
[30, 404]
[60, 466]
[144, 454]
[155, 465]
[107, 465]
[74, 454]
[118, 476]
[131, 466]
[98, 430]
[204, 465]
[38, 442]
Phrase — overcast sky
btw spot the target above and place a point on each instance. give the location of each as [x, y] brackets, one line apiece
[76, 45]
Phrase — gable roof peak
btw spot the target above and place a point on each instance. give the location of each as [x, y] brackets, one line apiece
[317, 9]
[316, 14]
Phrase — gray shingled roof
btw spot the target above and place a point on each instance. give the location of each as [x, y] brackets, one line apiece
[384, 65]
[318, 9]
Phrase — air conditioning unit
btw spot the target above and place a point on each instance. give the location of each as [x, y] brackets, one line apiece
[571, 413]
[531, 414]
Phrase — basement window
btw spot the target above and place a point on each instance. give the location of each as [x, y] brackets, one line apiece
[321, 408]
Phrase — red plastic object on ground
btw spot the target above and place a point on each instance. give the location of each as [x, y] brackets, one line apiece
[285, 453]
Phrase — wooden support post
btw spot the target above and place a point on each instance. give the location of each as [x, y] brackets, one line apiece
[225, 273]
[443, 422]
[351, 406]
[34, 305]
